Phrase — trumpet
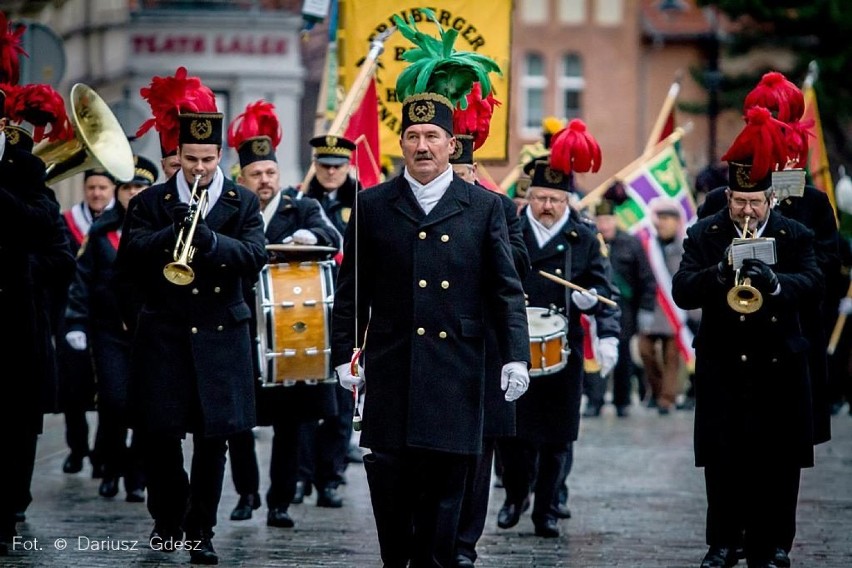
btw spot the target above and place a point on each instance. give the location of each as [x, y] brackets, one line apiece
[179, 272]
[744, 298]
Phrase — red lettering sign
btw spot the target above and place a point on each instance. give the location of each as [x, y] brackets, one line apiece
[169, 45]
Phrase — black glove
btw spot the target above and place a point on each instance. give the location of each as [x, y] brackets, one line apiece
[762, 277]
[203, 238]
[724, 273]
[179, 212]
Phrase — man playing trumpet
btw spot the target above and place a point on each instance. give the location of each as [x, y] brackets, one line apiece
[753, 423]
[192, 368]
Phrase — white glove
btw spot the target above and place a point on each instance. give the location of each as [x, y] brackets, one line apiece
[302, 237]
[77, 340]
[845, 306]
[347, 380]
[608, 354]
[585, 300]
[645, 319]
[514, 379]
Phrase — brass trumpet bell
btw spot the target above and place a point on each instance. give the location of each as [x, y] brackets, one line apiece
[744, 298]
[99, 141]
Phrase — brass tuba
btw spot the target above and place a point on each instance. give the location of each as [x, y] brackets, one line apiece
[99, 141]
[179, 272]
[743, 297]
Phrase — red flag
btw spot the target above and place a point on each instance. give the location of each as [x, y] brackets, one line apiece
[363, 129]
[668, 127]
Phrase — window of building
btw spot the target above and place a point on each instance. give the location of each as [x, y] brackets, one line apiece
[609, 12]
[533, 11]
[571, 11]
[533, 86]
[570, 85]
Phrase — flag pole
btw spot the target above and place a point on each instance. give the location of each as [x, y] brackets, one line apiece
[594, 194]
[355, 94]
[663, 116]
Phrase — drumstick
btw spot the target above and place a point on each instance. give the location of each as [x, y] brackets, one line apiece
[573, 286]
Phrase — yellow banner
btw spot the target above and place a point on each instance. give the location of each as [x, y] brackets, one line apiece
[482, 31]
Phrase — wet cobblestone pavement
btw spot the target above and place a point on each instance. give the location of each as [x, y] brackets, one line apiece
[636, 498]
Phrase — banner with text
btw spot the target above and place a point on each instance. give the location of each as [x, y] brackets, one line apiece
[482, 31]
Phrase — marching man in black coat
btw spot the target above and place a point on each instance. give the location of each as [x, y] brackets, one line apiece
[192, 349]
[753, 415]
[255, 134]
[426, 266]
[35, 255]
[560, 244]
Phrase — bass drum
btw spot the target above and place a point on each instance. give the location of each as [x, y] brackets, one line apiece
[294, 302]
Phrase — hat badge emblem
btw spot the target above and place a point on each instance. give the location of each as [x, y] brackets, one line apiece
[553, 176]
[421, 111]
[331, 141]
[743, 174]
[201, 129]
[260, 147]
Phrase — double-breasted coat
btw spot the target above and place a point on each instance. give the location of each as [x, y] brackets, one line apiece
[428, 285]
[752, 385]
[814, 211]
[549, 412]
[192, 368]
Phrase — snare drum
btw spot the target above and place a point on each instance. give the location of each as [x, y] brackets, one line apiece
[548, 341]
[294, 302]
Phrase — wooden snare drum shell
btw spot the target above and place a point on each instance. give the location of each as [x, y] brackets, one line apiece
[548, 341]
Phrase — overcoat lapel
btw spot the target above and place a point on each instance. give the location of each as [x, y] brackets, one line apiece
[226, 207]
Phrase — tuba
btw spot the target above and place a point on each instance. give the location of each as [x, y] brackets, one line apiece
[99, 141]
[744, 298]
[179, 272]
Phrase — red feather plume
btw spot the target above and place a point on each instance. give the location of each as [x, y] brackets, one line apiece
[43, 107]
[259, 119]
[170, 96]
[10, 50]
[775, 92]
[760, 142]
[475, 120]
[574, 149]
[9, 90]
[796, 134]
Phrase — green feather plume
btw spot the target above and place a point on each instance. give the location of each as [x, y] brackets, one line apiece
[435, 66]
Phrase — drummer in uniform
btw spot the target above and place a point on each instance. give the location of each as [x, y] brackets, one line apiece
[301, 224]
[548, 416]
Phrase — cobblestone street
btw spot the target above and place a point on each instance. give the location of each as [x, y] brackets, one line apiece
[636, 501]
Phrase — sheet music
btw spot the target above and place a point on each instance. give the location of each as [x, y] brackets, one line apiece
[788, 183]
[761, 248]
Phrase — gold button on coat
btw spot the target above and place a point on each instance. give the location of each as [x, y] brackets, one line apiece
[445, 284]
[443, 335]
[422, 283]
[217, 289]
[420, 331]
[422, 235]
[445, 238]
[743, 358]
[220, 328]
[194, 330]
[195, 291]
